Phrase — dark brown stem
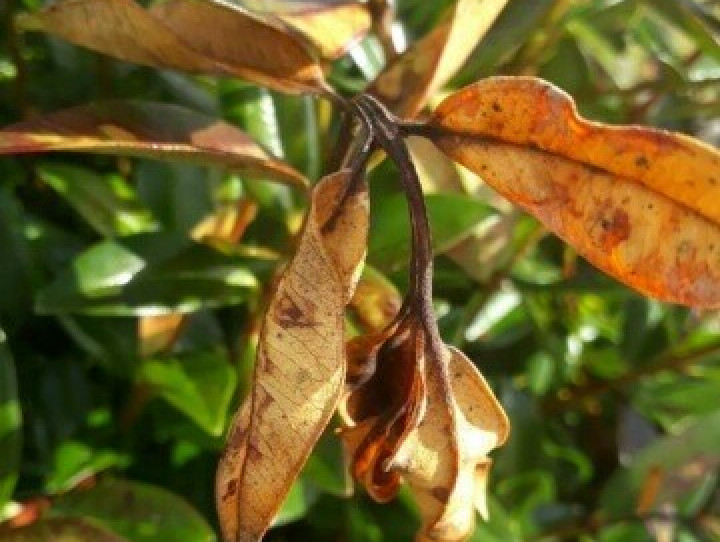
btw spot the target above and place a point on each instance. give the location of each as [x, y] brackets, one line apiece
[388, 134]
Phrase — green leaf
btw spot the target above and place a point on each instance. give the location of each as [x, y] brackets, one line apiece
[74, 461]
[17, 271]
[151, 274]
[10, 424]
[199, 384]
[107, 202]
[301, 497]
[59, 530]
[696, 443]
[325, 468]
[678, 13]
[452, 217]
[139, 512]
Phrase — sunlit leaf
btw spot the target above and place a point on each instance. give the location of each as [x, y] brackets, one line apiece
[188, 35]
[332, 28]
[140, 512]
[75, 461]
[407, 84]
[147, 129]
[199, 384]
[300, 366]
[638, 203]
[151, 274]
[107, 204]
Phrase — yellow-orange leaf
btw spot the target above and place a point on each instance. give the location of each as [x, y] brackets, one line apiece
[641, 204]
[188, 35]
[414, 77]
[300, 367]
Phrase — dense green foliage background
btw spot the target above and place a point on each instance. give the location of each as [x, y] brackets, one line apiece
[613, 398]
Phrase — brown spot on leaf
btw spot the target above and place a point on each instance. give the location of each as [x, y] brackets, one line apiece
[289, 314]
[615, 228]
[642, 161]
[230, 489]
[440, 493]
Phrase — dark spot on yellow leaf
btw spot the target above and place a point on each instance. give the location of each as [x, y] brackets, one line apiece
[497, 107]
[440, 493]
[642, 161]
[289, 314]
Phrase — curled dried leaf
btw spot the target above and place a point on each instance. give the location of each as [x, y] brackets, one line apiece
[300, 367]
[444, 460]
[430, 422]
[641, 204]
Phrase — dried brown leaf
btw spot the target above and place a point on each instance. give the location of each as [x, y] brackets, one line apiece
[430, 422]
[300, 367]
[444, 460]
[409, 81]
[331, 28]
[639, 203]
[187, 35]
[149, 130]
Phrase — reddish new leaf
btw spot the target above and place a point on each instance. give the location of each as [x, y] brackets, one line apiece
[641, 204]
[146, 129]
[300, 366]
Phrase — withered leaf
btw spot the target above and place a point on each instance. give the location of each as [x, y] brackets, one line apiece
[146, 129]
[428, 421]
[641, 204]
[444, 460]
[187, 35]
[408, 82]
[331, 28]
[300, 367]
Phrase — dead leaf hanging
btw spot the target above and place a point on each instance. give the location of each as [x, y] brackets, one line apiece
[300, 367]
[641, 204]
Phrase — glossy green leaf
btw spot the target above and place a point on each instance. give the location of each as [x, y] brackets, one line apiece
[147, 129]
[201, 385]
[60, 530]
[452, 217]
[75, 461]
[10, 424]
[139, 512]
[151, 274]
[106, 202]
[301, 497]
